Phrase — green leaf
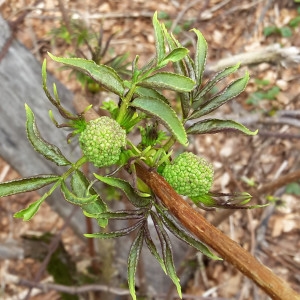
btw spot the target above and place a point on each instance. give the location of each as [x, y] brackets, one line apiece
[159, 39]
[72, 198]
[152, 248]
[49, 151]
[27, 213]
[82, 188]
[133, 259]
[286, 31]
[102, 74]
[175, 55]
[162, 111]
[231, 91]
[218, 77]
[150, 93]
[185, 236]
[167, 252]
[216, 125]
[115, 234]
[171, 81]
[120, 215]
[129, 191]
[200, 58]
[26, 184]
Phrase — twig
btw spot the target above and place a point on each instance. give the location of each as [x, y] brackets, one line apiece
[214, 238]
[73, 289]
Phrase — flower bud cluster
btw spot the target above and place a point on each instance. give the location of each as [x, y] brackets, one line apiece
[102, 141]
[189, 175]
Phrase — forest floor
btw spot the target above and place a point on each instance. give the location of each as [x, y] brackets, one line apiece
[260, 165]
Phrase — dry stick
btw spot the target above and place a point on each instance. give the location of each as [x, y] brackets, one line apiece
[214, 238]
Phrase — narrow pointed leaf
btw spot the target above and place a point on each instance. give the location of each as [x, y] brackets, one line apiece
[185, 236]
[165, 114]
[115, 234]
[81, 187]
[152, 248]
[233, 90]
[150, 93]
[104, 75]
[133, 259]
[216, 125]
[159, 39]
[49, 151]
[201, 53]
[167, 252]
[119, 215]
[170, 81]
[199, 98]
[129, 191]
[27, 184]
[175, 55]
[72, 198]
[27, 213]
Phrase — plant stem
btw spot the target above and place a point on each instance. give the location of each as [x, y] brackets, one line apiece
[214, 238]
[125, 103]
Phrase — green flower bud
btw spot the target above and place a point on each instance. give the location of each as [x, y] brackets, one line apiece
[189, 175]
[102, 140]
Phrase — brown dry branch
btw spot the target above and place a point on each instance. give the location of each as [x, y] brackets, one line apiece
[229, 250]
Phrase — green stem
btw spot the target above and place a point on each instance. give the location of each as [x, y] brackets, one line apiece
[168, 145]
[125, 103]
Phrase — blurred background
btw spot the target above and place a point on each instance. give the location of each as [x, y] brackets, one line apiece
[263, 35]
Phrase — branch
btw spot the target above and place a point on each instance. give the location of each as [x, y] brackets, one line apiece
[272, 54]
[231, 251]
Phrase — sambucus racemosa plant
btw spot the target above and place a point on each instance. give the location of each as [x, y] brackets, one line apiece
[104, 142]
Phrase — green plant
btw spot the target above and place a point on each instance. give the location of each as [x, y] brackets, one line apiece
[87, 43]
[263, 92]
[104, 143]
[284, 31]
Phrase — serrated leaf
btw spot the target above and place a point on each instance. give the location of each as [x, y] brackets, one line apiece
[82, 188]
[150, 93]
[159, 39]
[72, 198]
[170, 81]
[185, 236]
[119, 215]
[232, 90]
[26, 184]
[167, 252]
[27, 213]
[102, 74]
[175, 55]
[208, 86]
[115, 234]
[133, 259]
[129, 191]
[49, 151]
[200, 58]
[152, 248]
[165, 114]
[216, 125]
